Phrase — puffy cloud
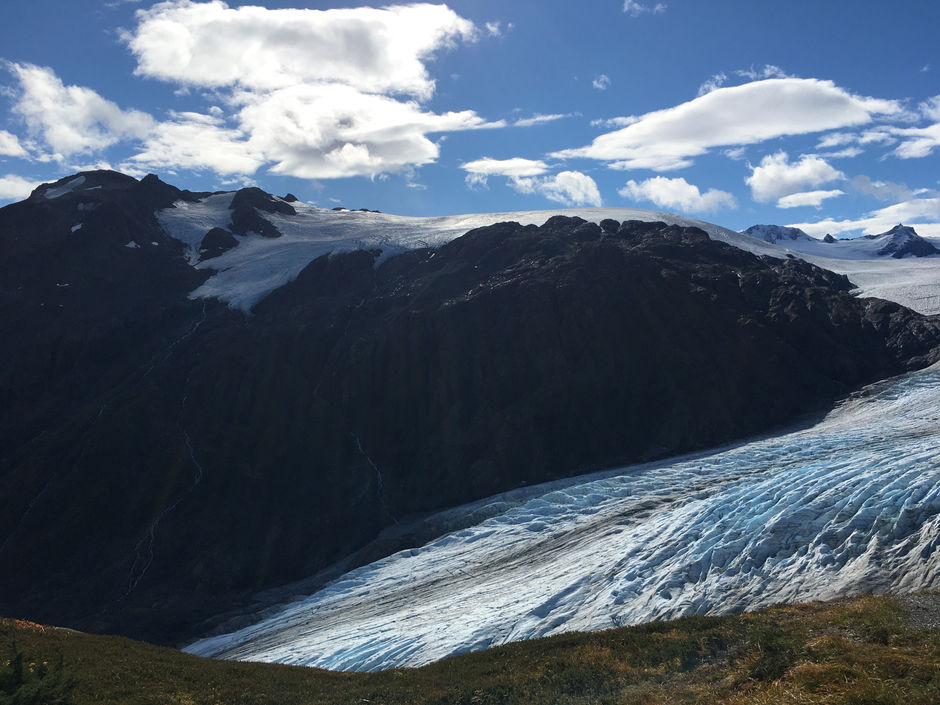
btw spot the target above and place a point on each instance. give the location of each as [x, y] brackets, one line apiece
[807, 198]
[678, 194]
[776, 176]
[10, 146]
[922, 213]
[330, 131]
[310, 93]
[72, 119]
[602, 82]
[732, 116]
[197, 142]
[13, 187]
[570, 188]
[636, 8]
[506, 167]
[373, 50]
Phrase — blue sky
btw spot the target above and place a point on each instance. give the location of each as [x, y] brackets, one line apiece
[821, 114]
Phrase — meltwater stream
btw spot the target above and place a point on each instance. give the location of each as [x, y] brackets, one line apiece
[851, 504]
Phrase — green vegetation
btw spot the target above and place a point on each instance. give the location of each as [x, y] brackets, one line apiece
[859, 651]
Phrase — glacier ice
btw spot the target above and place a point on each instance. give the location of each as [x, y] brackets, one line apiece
[850, 504]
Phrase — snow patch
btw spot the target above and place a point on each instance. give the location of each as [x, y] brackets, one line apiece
[133, 245]
[65, 188]
[77, 227]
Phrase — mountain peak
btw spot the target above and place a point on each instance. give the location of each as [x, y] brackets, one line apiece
[903, 240]
[776, 233]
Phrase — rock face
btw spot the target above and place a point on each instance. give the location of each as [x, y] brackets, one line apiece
[163, 457]
[216, 242]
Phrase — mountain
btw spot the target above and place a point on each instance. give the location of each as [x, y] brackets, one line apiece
[186, 421]
[777, 234]
[901, 241]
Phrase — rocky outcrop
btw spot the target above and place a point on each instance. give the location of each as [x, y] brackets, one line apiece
[216, 242]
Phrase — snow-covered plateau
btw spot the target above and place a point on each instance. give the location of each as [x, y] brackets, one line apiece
[848, 504]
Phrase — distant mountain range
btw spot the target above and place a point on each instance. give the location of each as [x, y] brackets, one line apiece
[205, 395]
[900, 241]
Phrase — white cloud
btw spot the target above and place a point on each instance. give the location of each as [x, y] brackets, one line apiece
[309, 93]
[847, 153]
[635, 8]
[776, 176]
[15, 188]
[910, 212]
[494, 29]
[836, 139]
[807, 198]
[678, 194]
[331, 131]
[760, 73]
[539, 119]
[917, 142]
[615, 121]
[10, 146]
[373, 50]
[72, 119]
[713, 83]
[196, 142]
[570, 188]
[732, 116]
[506, 167]
[602, 82]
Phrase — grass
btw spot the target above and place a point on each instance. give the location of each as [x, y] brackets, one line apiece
[857, 651]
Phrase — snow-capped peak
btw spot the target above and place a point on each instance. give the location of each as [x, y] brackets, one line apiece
[776, 233]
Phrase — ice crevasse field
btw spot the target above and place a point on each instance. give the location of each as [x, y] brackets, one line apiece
[848, 504]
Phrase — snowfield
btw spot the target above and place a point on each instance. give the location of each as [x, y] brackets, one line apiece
[849, 504]
[257, 266]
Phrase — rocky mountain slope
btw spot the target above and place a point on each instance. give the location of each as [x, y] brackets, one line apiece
[163, 456]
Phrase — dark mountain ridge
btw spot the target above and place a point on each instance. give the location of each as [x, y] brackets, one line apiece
[163, 457]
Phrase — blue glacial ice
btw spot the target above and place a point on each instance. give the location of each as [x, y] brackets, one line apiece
[848, 505]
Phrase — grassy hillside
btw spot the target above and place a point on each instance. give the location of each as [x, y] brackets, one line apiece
[855, 651]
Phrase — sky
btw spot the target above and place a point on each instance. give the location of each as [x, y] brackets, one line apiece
[824, 115]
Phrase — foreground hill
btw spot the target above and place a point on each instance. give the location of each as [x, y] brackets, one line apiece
[162, 457]
[865, 650]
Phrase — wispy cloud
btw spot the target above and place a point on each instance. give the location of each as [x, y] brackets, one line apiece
[713, 83]
[602, 82]
[807, 198]
[539, 119]
[635, 8]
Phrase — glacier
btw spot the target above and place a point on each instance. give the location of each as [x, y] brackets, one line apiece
[848, 503]
[244, 275]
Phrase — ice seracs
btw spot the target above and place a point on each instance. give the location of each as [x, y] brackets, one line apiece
[850, 504]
